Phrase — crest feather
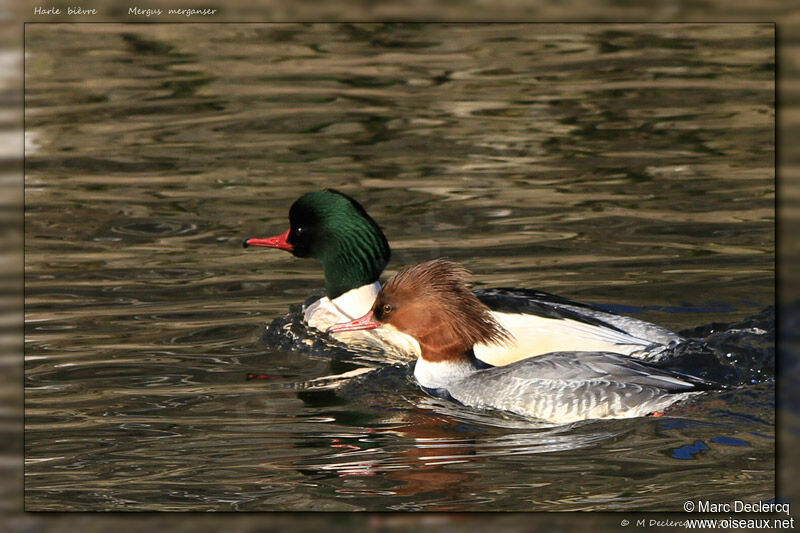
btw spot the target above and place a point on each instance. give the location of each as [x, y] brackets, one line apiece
[445, 285]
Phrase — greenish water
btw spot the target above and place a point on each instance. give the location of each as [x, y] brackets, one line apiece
[628, 165]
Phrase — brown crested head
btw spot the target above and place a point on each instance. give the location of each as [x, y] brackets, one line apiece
[432, 302]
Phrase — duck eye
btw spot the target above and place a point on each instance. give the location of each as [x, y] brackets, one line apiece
[387, 309]
[298, 231]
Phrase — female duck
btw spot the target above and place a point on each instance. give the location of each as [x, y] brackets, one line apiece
[431, 302]
[332, 227]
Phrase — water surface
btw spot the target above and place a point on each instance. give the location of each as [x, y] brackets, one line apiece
[629, 166]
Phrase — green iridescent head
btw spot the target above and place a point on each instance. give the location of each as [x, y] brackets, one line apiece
[330, 226]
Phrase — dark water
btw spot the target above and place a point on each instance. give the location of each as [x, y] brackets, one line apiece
[629, 166]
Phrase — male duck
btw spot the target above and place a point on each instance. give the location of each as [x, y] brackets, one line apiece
[431, 302]
[334, 228]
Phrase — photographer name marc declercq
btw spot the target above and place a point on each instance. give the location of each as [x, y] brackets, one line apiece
[738, 506]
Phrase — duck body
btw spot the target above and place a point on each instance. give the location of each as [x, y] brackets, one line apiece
[562, 387]
[335, 229]
[539, 322]
[559, 387]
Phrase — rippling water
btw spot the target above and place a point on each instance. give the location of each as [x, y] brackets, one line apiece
[630, 166]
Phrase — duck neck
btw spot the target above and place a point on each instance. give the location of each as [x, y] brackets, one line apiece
[354, 262]
[438, 373]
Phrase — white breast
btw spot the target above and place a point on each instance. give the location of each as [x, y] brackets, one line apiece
[440, 375]
[353, 304]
